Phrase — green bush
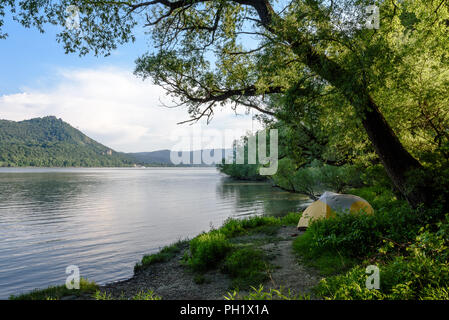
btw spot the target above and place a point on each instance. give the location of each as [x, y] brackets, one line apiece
[361, 234]
[348, 238]
[165, 254]
[376, 176]
[314, 178]
[404, 278]
[247, 267]
[207, 250]
[242, 171]
[350, 286]
[422, 272]
[339, 178]
[57, 292]
[353, 233]
[291, 218]
[233, 227]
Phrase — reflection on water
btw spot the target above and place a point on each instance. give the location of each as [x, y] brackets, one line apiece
[104, 220]
[258, 197]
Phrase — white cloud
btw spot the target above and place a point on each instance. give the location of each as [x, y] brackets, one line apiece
[117, 109]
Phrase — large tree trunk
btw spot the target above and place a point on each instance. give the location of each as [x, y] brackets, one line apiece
[398, 162]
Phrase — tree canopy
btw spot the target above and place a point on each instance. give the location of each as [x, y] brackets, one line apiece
[313, 64]
[51, 142]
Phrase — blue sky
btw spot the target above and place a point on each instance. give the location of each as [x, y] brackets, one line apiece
[99, 95]
[27, 56]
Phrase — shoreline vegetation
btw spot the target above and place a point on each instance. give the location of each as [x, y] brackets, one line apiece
[351, 109]
[219, 263]
[265, 257]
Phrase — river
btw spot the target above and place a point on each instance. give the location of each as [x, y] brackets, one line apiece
[104, 220]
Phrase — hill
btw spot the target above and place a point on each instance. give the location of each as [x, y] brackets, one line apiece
[51, 142]
[153, 157]
[162, 157]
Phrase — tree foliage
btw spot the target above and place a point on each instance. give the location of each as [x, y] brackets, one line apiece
[49, 142]
[310, 63]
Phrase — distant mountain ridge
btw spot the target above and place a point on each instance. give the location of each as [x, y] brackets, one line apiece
[163, 157]
[51, 142]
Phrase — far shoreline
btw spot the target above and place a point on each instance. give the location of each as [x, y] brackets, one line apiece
[123, 167]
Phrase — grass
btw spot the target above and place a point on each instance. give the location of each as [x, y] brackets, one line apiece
[290, 219]
[166, 254]
[259, 224]
[207, 250]
[141, 295]
[57, 292]
[260, 293]
[420, 275]
[222, 249]
[86, 288]
[336, 244]
[409, 246]
[247, 267]
[200, 279]
[146, 295]
[328, 262]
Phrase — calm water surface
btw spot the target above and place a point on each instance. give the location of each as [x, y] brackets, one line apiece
[104, 220]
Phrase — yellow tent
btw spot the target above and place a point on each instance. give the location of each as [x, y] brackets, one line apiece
[331, 202]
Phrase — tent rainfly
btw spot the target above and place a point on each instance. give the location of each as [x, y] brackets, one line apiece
[330, 203]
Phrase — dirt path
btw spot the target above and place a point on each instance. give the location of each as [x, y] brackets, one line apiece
[171, 280]
[289, 273]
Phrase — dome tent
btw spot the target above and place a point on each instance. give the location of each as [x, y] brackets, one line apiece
[330, 203]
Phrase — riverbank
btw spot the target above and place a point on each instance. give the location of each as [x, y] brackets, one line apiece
[407, 246]
[173, 279]
[229, 260]
[119, 214]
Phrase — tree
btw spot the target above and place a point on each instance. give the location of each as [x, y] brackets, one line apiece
[216, 52]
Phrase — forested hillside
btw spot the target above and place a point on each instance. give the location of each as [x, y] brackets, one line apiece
[51, 142]
[359, 93]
